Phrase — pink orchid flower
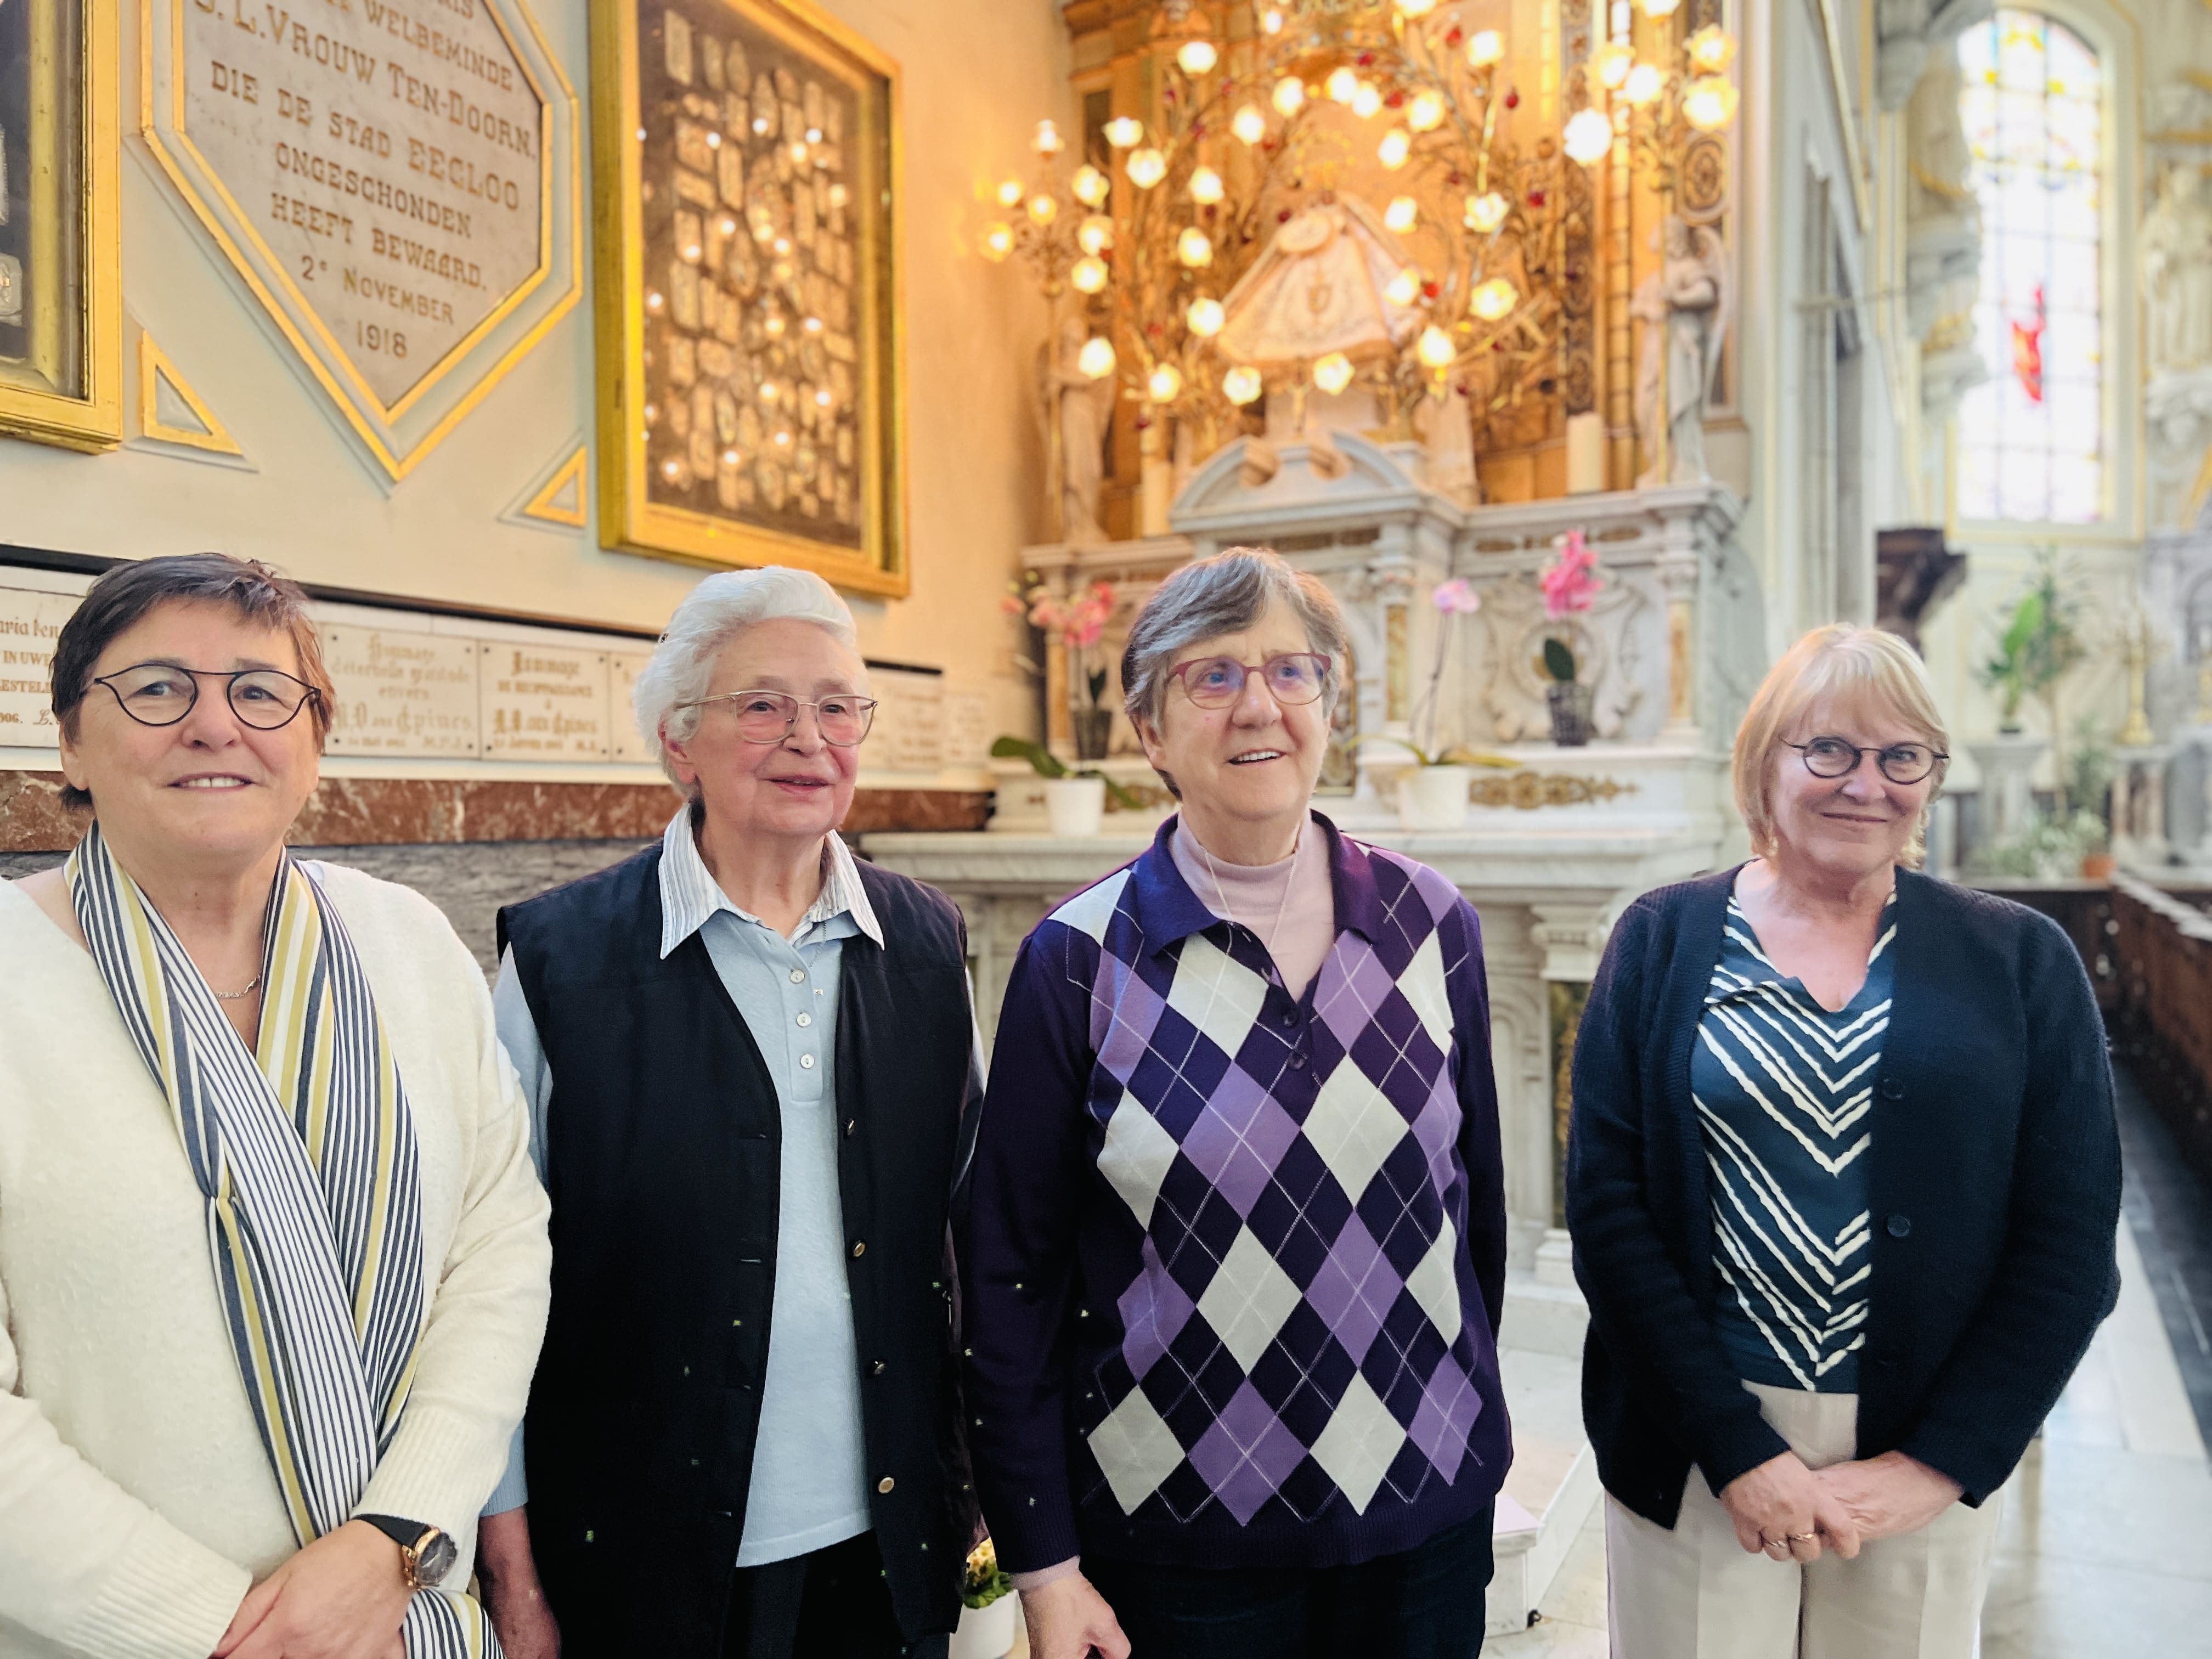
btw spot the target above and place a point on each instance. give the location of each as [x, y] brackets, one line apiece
[1571, 583]
[1457, 597]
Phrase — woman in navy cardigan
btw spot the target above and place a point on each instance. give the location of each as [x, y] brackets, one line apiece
[1843, 1179]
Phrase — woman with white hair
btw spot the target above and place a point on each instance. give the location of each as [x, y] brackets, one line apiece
[1843, 1179]
[749, 1058]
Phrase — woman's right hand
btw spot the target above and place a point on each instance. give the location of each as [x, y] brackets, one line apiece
[1068, 1619]
[1783, 1513]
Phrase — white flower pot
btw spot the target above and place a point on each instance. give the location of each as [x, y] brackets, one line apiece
[1433, 798]
[1075, 806]
[987, 1632]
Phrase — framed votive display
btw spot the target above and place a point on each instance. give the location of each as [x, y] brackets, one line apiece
[751, 380]
[61, 315]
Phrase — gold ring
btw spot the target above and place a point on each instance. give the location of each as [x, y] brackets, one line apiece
[1803, 1537]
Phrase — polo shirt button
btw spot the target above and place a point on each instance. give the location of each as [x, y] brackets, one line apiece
[885, 1483]
[1289, 1020]
[807, 1020]
[807, 1062]
[859, 1247]
[798, 976]
[1891, 1089]
[1297, 1062]
[1898, 1226]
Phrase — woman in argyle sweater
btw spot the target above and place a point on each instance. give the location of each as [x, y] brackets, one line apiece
[1236, 1242]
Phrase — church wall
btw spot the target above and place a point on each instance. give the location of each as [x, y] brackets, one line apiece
[975, 76]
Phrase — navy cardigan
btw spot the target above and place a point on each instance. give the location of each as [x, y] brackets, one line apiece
[1994, 1197]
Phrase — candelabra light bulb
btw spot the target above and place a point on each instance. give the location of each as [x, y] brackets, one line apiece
[1493, 300]
[1661, 8]
[1165, 384]
[1242, 384]
[1710, 50]
[1251, 123]
[998, 242]
[1096, 359]
[1205, 186]
[1125, 132]
[1044, 208]
[1194, 248]
[1485, 213]
[1146, 167]
[1435, 348]
[1095, 234]
[1412, 9]
[1644, 82]
[1402, 215]
[1588, 136]
[1289, 95]
[1205, 317]
[1396, 146]
[1404, 289]
[1010, 193]
[1333, 373]
[1709, 103]
[1367, 102]
[1091, 187]
[1484, 47]
[1089, 274]
[1342, 85]
[1425, 113]
[1047, 141]
[1612, 63]
[1198, 56]
[1271, 21]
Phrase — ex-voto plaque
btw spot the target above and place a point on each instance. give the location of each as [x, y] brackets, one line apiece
[398, 184]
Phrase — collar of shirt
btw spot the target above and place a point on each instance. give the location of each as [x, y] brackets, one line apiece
[1168, 910]
[689, 894]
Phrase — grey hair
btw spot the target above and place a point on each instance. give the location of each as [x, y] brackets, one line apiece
[1223, 594]
[667, 693]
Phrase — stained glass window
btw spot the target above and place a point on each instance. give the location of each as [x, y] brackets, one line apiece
[2031, 437]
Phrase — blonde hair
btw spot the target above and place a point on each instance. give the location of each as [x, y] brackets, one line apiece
[1838, 663]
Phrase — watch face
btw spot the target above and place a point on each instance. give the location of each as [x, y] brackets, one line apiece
[433, 1558]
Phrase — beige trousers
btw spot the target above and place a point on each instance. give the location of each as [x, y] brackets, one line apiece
[1693, 1593]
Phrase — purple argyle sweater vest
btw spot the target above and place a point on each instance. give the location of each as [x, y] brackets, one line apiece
[1254, 1320]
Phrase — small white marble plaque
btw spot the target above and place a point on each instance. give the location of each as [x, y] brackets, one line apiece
[391, 156]
[908, 733]
[625, 742]
[402, 694]
[544, 702]
[29, 623]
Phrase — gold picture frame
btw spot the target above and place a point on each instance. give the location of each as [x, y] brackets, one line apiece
[61, 273]
[751, 381]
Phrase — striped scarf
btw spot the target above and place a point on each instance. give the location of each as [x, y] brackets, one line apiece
[305, 1151]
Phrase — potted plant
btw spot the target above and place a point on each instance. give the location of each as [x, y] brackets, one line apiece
[1075, 801]
[2088, 787]
[1432, 792]
[987, 1600]
[2039, 646]
[1076, 625]
[1571, 584]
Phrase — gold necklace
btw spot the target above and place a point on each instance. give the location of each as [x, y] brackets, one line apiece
[233, 996]
[1282, 905]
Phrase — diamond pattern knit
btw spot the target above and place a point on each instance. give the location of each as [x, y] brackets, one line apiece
[1300, 1334]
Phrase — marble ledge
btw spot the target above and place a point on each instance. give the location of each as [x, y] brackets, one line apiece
[406, 812]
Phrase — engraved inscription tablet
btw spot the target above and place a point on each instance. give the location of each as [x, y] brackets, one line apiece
[402, 693]
[625, 743]
[542, 702]
[391, 156]
[29, 623]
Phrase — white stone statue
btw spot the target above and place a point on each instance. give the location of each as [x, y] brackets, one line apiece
[1943, 222]
[1684, 308]
[1318, 289]
[2177, 264]
[1079, 408]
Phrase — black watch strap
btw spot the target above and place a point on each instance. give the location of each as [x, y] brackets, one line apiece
[405, 1534]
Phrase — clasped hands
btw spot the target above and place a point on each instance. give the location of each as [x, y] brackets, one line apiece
[342, 1597]
[1786, 1511]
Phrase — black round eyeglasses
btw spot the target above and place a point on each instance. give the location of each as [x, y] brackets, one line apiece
[1900, 763]
[162, 693]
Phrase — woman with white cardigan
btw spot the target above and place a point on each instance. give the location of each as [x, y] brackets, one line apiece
[273, 1259]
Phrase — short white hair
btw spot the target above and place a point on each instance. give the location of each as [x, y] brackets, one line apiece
[667, 693]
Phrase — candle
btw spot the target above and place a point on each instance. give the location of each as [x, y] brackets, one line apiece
[1585, 453]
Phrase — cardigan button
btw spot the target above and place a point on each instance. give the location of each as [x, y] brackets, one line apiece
[1891, 1089]
[885, 1483]
[876, 1368]
[1900, 1226]
[859, 1247]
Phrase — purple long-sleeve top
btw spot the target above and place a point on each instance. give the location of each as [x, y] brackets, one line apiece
[1232, 1261]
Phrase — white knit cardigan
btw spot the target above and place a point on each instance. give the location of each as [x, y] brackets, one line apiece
[137, 1503]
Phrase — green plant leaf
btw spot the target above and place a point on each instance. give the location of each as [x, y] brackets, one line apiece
[2026, 623]
[1120, 796]
[1042, 760]
[1558, 661]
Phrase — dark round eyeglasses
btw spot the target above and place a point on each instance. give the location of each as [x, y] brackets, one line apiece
[1900, 763]
[769, 716]
[162, 693]
[1292, 678]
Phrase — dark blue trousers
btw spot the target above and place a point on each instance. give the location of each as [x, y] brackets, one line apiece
[1422, 1603]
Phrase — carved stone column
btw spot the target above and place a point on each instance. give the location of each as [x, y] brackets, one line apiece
[1569, 939]
[1677, 570]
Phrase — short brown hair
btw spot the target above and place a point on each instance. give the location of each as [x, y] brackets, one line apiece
[1842, 661]
[125, 595]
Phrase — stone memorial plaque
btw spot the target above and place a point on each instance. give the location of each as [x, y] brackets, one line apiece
[29, 623]
[625, 742]
[909, 735]
[402, 693]
[391, 156]
[543, 701]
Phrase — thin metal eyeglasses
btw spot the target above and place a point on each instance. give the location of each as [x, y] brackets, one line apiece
[768, 716]
[1900, 763]
[162, 693]
[1294, 678]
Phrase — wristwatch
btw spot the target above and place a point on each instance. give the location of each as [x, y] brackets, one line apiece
[426, 1554]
